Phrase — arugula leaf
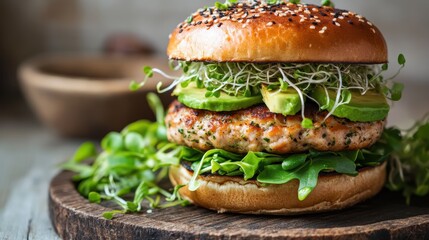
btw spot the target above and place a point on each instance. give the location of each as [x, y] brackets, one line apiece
[294, 161]
[308, 173]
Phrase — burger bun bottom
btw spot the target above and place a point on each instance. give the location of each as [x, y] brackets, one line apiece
[234, 194]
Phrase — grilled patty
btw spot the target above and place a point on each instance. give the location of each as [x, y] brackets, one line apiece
[257, 129]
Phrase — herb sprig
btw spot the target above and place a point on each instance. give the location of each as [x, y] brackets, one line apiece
[130, 167]
[409, 162]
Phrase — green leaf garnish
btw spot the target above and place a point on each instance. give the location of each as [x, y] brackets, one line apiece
[409, 161]
[327, 3]
[401, 59]
[148, 71]
[109, 215]
[294, 161]
[85, 151]
[94, 197]
[113, 142]
[272, 2]
[396, 91]
[308, 173]
[307, 123]
[226, 5]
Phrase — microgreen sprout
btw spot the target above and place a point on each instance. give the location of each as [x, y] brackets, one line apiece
[272, 2]
[328, 3]
[226, 5]
[246, 79]
[409, 161]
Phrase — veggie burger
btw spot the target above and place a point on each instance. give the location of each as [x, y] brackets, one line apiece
[279, 107]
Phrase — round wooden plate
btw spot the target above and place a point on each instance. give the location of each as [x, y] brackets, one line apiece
[384, 217]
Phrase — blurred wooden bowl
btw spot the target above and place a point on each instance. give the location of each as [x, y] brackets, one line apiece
[88, 96]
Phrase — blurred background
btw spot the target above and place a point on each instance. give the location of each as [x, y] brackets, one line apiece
[133, 33]
[31, 27]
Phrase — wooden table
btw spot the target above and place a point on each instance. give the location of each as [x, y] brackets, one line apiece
[29, 154]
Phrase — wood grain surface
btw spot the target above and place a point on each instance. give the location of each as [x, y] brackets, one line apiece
[384, 217]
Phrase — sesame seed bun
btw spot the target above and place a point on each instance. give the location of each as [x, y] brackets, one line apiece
[233, 194]
[277, 33]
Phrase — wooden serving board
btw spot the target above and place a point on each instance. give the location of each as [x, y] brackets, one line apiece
[384, 217]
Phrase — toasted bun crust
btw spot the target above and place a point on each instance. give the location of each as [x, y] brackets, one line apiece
[277, 33]
[233, 194]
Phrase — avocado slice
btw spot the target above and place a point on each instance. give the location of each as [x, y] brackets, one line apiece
[286, 102]
[194, 97]
[362, 108]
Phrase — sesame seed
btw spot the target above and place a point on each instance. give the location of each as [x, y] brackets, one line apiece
[369, 23]
[270, 24]
[220, 24]
[373, 30]
[337, 24]
[181, 30]
[312, 27]
[322, 31]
